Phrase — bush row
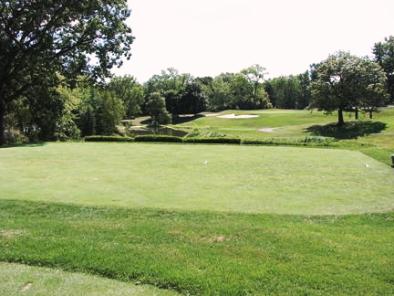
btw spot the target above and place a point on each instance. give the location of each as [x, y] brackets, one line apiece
[108, 139]
[306, 141]
[220, 140]
[157, 138]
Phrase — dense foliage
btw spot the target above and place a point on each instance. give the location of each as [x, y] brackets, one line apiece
[346, 82]
[40, 39]
[55, 58]
[289, 92]
[384, 55]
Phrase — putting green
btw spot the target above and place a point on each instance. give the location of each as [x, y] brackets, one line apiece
[252, 179]
[16, 279]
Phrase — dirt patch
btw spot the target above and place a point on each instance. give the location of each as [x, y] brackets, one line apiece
[218, 239]
[267, 130]
[26, 287]
[10, 233]
[233, 116]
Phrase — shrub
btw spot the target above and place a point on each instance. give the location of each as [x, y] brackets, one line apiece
[205, 133]
[158, 138]
[108, 139]
[307, 141]
[213, 140]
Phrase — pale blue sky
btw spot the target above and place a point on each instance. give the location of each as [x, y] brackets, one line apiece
[208, 37]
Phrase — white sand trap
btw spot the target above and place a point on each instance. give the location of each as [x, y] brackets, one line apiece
[233, 116]
[267, 130]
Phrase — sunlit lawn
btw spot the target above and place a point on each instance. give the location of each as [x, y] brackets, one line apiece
[233, 178]
[201, 219]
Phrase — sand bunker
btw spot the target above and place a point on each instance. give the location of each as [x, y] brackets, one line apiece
[233, 116]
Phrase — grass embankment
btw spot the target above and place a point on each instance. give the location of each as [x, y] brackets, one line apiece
[17, 279]
[284, 180]
[206, 253]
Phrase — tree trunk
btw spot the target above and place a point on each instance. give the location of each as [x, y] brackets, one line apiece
[370, 114]
[356, 113]
[2, 122]
[341, 122]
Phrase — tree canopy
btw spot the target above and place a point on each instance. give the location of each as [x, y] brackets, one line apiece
[346, 82]
[384, 56]
[40, 39]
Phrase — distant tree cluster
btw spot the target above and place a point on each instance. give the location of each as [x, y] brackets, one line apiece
[55, 76]
[289, 92]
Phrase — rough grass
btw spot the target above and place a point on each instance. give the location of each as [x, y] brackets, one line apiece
[255, 179]
[207, 253]
[17, 279]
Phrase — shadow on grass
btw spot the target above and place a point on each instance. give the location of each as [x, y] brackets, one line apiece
[39, 144]
[186, 118]
[351, 130]
[178, 119]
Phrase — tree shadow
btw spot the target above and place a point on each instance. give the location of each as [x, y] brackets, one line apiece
[38, 144]
[146, 121]
[351, 130]
[186, 118]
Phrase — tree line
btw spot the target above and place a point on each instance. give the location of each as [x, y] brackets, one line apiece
[55, 76]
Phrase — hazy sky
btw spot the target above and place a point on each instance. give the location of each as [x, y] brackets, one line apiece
[208, 37]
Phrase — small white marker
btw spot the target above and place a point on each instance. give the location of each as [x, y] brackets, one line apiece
[206, 162]
[367, 165]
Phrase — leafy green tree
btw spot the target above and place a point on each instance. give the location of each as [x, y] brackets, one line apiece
[109, 114]
[130, 92]
[218, 94]
[100, 112]
[36, 115]
[345, 82]
[156, 108]
[192, 100]
[256, 75]
[384, 56]
[41, 38]
[304, 98]
[286, 92]
[182, 93]
[66, 126]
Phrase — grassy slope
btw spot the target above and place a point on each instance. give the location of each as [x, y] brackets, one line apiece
[206, 253]
[293, 123]
[281, 180]
[289, 123]
[16, 279]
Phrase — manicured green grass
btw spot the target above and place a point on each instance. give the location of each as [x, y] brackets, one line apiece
[233, 178]
[288, 124]
[199, 219]
[206, 253]
[16, 279]
[285, 123]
